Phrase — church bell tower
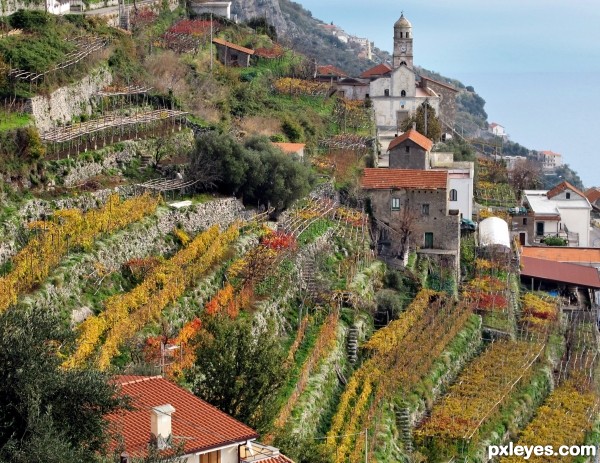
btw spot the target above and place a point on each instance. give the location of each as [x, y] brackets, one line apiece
[403, 43]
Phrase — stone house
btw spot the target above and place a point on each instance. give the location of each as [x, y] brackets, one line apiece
[165, 414]
[410, 208]
[231, 54]
[411, 150]
[352, 88]
[563, 211]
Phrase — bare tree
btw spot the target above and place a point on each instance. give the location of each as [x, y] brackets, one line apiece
[525, 174]
[205, 170]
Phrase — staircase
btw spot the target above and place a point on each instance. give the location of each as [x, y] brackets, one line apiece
[146, 160]
[352, 344]
[404, 427]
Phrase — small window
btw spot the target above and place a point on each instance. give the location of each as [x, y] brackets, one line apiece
[386, 92]
[407, 148]
[453, 195]
[401, 34]
[395, 204]
[524, 220]
[407, 35]
[568, 195]
[367, 96]
[425, 209]
[403, 63]
[403, 93]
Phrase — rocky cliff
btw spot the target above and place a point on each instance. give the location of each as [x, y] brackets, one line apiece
[269, 9]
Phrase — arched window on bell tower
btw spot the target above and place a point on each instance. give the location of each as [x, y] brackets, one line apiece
[403, 92]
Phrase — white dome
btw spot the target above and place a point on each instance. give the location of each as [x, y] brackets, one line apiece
[493, 231]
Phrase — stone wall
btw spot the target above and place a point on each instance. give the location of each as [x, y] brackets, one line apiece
[416, 158]
[447, 108]
[8, 7]
[445, 228]
[62, 105]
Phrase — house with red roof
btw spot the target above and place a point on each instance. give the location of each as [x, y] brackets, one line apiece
[231, 54]
[169, 417]
[411, 150]
[411, 211]
[549, 159]
[563, 211]
[497, 129]
[292, 148]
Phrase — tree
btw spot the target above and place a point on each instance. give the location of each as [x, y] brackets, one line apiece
[434, 128]
[262, 26]
[257, 171]
[525, 175]
[47, 413]
[238, 368]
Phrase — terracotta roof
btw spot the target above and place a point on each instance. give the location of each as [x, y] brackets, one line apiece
[384, 179]
[550, 153]
[414, 136]
[493, 124]
[561, 272]
[379, 70]
[593, 194]
[290, 147]
[203, 426]
[277, 459]
[330, 70]
[563, 254]
[233, 46]
[562, 187]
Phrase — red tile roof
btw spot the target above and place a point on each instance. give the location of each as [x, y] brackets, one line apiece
[561, 272]
[277, 459]
[203, 426]
[414, 136]
[384, 179]
[562, 187]
[290, 147]
[563, 254]
[330, 70]
[593, 194]
[379, 70]
[549, 153]
[233, 46]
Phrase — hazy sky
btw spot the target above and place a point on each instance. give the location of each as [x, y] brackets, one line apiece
[535, 62]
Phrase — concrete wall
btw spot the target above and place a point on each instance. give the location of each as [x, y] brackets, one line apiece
[217, 8]
[464, 198]
[415, 158]
[68, 102]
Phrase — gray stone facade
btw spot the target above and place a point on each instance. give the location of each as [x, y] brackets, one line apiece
[447, 94]
[430, 209]
[409, 155]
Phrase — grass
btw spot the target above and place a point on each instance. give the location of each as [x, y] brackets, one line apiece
[12, 121]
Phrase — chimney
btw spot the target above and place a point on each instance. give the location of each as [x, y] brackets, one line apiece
[414, 127]
[160, 422]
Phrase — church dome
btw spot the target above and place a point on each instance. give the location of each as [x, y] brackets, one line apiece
[403, 22]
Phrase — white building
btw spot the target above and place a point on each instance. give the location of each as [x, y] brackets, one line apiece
[562, 211]
[550, 160]
[396, 94]
[216, 8]
[460, 182]
[498, 130]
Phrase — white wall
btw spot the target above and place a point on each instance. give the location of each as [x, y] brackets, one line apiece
[464, 190]
[577, 221]
[229, 455]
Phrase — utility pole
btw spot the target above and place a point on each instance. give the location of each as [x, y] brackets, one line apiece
[426, 104]
[366, 444]
[211, 43]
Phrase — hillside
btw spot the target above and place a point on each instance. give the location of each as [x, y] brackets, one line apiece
[165, 213]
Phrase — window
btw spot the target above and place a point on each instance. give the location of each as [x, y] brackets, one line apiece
[428, 240]
[403, 93]
[453, 195]
[367, 95]
[403, 63]
[568, 195]
[407, 34]
[386, 92]
[212, 457]
[425, 209]
[395, 204]
[401, 34]
[524, 220]
[407, 148]
[539, 228]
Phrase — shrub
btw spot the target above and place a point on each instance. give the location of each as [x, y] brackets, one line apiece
[555, 241]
